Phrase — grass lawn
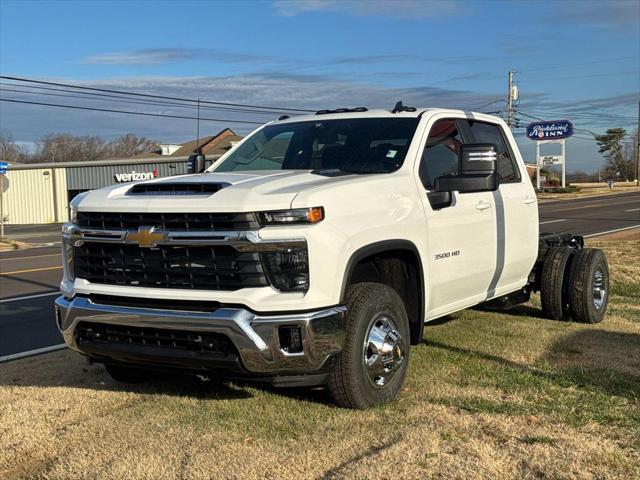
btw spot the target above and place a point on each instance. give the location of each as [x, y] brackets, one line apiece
[489, 395]
[590, 190]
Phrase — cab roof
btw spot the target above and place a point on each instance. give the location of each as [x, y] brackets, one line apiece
[376, 113]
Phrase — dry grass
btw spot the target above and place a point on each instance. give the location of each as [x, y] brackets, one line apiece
[590, 190]
[489, 395]
[6, 244]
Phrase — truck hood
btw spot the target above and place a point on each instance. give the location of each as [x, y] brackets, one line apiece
[238, 192]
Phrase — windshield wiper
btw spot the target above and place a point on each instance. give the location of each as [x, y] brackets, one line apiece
[337, 172]
[331, 172]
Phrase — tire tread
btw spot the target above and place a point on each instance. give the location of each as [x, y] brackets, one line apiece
[553, 281]
[342, 385]
[580, 279]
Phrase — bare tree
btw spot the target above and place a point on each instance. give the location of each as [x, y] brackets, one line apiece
[63, 147]
[10, 151]
[129, 145]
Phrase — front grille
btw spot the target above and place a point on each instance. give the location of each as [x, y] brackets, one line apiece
[193, 267]
[113, 335]
[169, 221]
[155, 303]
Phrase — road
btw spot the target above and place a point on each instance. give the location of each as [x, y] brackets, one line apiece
[29, 278]
[589, 216]
[29, 281]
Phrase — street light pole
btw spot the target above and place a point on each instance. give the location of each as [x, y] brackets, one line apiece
[510, 101]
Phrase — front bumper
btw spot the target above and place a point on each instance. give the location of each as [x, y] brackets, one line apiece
[255, 337]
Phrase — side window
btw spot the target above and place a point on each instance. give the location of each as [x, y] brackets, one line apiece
[440, 154]
[489, 133]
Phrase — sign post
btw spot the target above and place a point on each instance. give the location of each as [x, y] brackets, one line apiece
[4, 184]
[550, 132]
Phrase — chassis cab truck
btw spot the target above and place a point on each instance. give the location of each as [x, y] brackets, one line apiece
[314, 252]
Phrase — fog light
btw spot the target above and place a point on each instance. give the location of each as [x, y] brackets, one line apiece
[290, 338]
[288, 270]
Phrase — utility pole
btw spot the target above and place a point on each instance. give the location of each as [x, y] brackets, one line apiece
[510, 101]
[637, 149]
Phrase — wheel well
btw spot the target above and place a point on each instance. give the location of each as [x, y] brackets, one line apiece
[400, 268]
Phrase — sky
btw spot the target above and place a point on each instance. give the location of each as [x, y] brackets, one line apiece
[576, 60]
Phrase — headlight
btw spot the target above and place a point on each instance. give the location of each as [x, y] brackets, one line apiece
[73, 206]
[67, 250]
[288, 270]
[73, 214]
[295, 216]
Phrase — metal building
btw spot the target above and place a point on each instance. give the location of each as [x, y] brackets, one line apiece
[40, 193]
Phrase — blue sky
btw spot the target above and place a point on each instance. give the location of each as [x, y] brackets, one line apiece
[576, 59]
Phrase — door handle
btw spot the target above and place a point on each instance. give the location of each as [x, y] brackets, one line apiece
[482, 205]
[529, 199]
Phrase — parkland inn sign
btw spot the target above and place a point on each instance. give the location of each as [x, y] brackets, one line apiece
[550, 130]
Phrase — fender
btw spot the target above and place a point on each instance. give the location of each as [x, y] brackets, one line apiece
[387, 246]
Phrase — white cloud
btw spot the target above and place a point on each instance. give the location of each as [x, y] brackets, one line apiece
[28, 123]
[609, 13]
[159, 56]
[406, 9]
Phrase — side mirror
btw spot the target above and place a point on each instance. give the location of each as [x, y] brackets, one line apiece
[196, 163]
[476, 170]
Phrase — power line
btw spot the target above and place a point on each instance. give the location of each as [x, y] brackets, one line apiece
[127, 101]
[182, 99]
[92, 95]
[487, 104]
[630, 72]
[534, 115]
[76, 107]
[579, 64]
[579, 114]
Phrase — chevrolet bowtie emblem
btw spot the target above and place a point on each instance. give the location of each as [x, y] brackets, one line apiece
[147, 236]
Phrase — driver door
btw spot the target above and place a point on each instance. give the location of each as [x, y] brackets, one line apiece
[461, 237]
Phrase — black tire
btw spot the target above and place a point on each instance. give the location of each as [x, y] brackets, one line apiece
[589, 274]
[128, 374]
[351, 383]
[554, 282]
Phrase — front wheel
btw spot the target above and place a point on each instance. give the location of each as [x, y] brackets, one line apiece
[373, 363]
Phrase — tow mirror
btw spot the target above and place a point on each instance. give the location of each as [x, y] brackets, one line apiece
[476, 170]
[196, 163]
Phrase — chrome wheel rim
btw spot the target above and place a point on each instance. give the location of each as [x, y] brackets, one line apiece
[599, 289]
[384, 351]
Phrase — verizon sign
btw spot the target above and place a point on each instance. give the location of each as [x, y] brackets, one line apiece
[133, 176]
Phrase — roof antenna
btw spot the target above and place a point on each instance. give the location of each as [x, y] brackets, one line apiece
[196, 163]
[401, 108]
[198, 130]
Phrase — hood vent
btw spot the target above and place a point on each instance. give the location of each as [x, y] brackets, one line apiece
[176, 188]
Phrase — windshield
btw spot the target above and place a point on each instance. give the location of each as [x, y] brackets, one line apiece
[361, 145]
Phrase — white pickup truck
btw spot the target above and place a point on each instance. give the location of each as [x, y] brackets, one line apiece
[315, 250]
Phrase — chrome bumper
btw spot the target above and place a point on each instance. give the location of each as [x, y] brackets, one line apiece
[254, 336]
